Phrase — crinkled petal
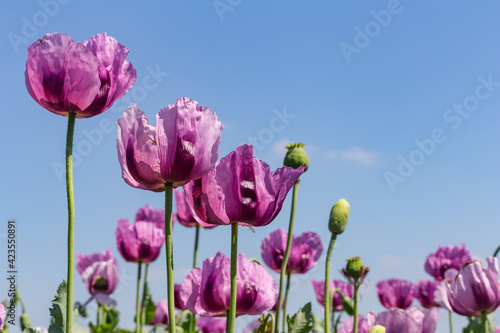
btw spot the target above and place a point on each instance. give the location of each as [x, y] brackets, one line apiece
[61, 75]
[161, 313]
[190, 292]
[273, 249]
[189, 138]
[126, 241]
[104, 299]
[84, 261]
[116, 74]
[137, 145]
[257, 291]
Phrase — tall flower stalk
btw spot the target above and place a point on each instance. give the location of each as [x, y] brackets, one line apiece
[138, 316]
[355, 272]
[170, 256]
[71, 218]
[234, 267]
[326, 294]
[294, 158]
[285, 259]
[183, 146]
[339, 215]
[77, 80]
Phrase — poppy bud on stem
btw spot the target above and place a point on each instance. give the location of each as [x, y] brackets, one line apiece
[337, 223]
[355, 272]
[294, 158]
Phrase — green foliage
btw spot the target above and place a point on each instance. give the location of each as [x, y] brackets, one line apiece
[302, 321]
[476, 325]
[318, 324]
[183, 321]
[82, 311]
[149, 306]
[58, 313]
[111, 317]
[30, 330]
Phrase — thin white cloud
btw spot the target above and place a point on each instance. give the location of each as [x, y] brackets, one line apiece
[392, 261]
[355, 154]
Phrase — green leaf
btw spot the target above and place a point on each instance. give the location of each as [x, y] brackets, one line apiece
[318, 324]
[302, 321]
[30, 330]
[149, 306]
[58, 313]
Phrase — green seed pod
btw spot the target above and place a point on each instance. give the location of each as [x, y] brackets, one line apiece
[296, 156]
[377, 329]
[339, 216]
[25, 321]
[354, 268]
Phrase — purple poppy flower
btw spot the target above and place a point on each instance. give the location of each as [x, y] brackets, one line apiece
[241, 189]
[319, 289]
[100, 275]
[395, 293]
[184, 145]
[412, 320]
[472, 290]
[183, 214]
[161, 313]
[424, 292]
[446, 257]
[178, 303]
[3, 315]
[139, 242]
[211, 325]
[304, 252]
[149, 214]
[364, 324]
[206, 290]
[84, 78]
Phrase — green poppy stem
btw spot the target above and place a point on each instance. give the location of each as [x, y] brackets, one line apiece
[485, 322]
[196, 238]
[98, 319]
[287, 255]
[192, 322]
[71, 218]
[450, 320]
[286, 300]
[496, 251]
[326, 294]
[234, 262]
[356, 301]
[138, 300]
[144, 294]
[170, 257]
[333, 322]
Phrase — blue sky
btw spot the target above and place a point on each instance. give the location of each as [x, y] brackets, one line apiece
[397, 103]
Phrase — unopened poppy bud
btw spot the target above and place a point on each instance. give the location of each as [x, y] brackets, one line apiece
[25, 321]
[377, 329]
[355, 272]
[296, 156]
[339, 216]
